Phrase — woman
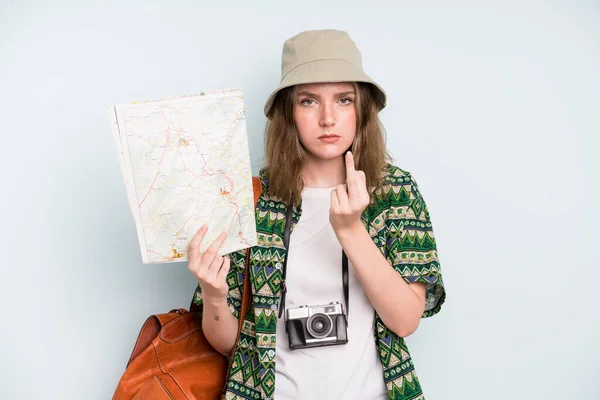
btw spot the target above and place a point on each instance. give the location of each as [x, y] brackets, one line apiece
[327, 175]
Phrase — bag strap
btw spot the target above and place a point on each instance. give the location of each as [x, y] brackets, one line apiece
[257, 188]
[246, 288]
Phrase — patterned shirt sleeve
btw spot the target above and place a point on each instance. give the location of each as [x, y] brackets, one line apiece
[235, 280]
[410, 241]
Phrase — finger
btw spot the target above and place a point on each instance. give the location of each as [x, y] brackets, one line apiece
[213, 269]
[357, 187]
[222, 275]
[194, 247]
[350, 170]
[354, 186]
[362, 178]
[213, 249]
[335, 202]
[351, 176]
[342, 195]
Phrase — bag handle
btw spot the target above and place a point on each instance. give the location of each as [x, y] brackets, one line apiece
[149, 331]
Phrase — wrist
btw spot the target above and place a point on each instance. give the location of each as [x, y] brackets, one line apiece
[215, 301]
[350, 231]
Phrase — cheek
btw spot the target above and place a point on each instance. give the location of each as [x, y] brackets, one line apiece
[349, 122]
[304, 123]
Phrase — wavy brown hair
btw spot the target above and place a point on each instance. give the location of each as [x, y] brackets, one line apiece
[285, 156]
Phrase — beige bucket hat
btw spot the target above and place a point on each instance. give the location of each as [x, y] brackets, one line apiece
[322, 56]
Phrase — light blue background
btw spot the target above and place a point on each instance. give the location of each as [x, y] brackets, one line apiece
[494, 108]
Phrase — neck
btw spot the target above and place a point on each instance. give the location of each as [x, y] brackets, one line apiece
[324, 173]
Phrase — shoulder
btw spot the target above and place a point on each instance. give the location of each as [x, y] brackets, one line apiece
[398, 196]
[268, 200]
[395, 182]
[394, 175]
[263, 175]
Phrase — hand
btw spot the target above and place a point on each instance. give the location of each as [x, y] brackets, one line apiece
[209, 269]
[349, 201]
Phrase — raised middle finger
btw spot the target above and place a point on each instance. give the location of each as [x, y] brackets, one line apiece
[350, 170]
[352, 178]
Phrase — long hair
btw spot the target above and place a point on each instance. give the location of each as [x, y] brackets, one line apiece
[285, 156]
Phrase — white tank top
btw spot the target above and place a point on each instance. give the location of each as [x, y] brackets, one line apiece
[314, 277]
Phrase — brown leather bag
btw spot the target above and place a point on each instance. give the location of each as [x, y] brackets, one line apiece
[172, 360]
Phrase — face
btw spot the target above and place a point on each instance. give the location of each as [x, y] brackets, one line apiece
[325, 118]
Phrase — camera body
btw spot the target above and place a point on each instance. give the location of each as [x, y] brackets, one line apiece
[316, 326]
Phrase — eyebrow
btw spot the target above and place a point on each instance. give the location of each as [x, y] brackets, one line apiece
[309, 94]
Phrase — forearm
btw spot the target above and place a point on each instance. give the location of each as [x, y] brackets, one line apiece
[399, 304]
[219, 325]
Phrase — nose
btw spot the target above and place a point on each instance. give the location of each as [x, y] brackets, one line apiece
[327, 116]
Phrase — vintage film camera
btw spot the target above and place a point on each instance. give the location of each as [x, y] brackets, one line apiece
[316, 326]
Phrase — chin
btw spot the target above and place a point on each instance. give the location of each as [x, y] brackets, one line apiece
[327, 155]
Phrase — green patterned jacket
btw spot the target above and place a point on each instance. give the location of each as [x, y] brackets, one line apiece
[399, 224]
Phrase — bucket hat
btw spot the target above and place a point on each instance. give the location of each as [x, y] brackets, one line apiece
[322, 56]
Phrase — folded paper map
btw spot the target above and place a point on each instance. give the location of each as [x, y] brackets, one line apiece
[185, 163]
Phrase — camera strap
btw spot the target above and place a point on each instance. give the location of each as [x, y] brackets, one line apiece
[286, 243]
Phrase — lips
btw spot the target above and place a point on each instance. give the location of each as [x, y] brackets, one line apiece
[329, 138]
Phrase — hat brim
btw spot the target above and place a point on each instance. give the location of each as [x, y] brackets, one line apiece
[325, 71]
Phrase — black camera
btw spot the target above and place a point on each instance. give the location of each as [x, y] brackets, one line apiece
[315, 326]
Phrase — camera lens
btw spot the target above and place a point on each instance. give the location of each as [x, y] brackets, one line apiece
[319, 325]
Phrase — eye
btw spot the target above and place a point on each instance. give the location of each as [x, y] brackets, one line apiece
[307, 102]
[346, 100]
